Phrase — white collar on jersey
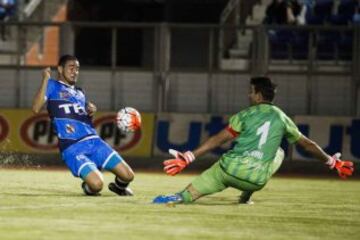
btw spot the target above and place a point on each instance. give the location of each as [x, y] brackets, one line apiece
[66, 84]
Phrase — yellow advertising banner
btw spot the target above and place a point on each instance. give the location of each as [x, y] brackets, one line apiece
[22, 131]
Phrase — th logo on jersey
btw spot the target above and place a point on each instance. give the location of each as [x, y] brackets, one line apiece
[70, 108]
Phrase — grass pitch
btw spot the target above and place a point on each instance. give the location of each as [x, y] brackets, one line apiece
[40, 204]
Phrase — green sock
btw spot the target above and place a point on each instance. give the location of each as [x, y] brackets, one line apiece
[186, 196]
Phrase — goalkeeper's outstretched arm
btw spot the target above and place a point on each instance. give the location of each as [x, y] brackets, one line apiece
[213, 142]
[313, 148]
[181, 160]
[343, 167]
[39, 98]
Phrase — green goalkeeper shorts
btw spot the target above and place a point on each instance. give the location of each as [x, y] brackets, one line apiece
[215, 179]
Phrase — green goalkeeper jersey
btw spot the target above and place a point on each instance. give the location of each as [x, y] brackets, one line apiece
[261, 129]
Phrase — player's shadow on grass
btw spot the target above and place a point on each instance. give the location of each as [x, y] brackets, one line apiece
[41, 192]
[37, 194]
[46, 192]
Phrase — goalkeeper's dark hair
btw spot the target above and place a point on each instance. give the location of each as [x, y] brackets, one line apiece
[65, 58]
[265, 86]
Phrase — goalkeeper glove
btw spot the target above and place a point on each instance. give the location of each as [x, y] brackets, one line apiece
[174, 166]
[344, 168]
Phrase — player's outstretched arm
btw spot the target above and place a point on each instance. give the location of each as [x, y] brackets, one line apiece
[181, 160]
[39, 98]
[343, 167]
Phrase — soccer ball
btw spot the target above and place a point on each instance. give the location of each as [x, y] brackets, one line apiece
[128, 119]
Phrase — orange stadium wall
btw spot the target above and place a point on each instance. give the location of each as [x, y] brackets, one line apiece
[49, 55]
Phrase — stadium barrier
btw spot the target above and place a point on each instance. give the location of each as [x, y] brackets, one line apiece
[23, 132]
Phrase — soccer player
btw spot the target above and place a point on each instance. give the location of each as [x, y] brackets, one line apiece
[256, 155]
[83, 151]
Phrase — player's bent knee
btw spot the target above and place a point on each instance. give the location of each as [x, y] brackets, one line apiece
[96, 185]
[95, 181]
[123, 172]
[128, 177]
[130, 174]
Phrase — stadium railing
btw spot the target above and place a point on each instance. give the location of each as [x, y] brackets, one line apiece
[170, 49]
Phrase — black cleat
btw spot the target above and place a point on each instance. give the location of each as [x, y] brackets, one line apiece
[87, 192]
[120, 191]
[245, 198]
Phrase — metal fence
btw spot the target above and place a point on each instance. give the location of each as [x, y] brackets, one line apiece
[179, 67]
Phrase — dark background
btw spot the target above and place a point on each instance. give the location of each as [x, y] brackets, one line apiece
[132, 43]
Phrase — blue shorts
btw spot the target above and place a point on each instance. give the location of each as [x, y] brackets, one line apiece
[89, 155]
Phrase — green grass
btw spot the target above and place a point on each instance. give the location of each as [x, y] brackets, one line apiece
[40, 204]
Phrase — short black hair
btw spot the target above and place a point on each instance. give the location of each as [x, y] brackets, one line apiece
[265, 86]
[65, 58]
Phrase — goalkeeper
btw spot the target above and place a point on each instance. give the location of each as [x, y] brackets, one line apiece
[256, 155]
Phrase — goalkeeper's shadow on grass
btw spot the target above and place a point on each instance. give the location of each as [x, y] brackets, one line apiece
[232, 203]
[229, 203]
[219, 201]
